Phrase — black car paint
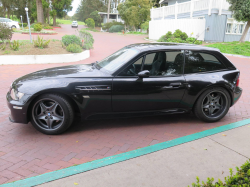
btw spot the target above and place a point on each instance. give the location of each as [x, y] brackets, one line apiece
[121, 96]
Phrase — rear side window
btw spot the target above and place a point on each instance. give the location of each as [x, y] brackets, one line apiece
[196, 62]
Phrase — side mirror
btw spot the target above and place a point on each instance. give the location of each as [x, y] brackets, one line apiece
[144, 74]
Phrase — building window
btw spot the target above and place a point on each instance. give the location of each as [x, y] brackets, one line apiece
[234, 27]
[229, 27]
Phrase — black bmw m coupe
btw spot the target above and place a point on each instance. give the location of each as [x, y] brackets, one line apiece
[138, 80]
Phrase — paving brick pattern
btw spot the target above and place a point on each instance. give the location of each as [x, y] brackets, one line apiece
[24, 152]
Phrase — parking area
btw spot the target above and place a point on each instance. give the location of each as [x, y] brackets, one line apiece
[24, 152]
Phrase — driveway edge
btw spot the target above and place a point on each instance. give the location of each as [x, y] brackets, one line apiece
[55, 175]
[43, 59]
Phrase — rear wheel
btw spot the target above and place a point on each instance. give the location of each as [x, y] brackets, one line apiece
[212, 105]
[52, 114]
[13, 27]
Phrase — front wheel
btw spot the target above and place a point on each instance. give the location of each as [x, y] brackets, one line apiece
[52, 114]
[212, 105]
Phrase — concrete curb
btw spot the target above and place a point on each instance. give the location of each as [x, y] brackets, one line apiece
[43, 59]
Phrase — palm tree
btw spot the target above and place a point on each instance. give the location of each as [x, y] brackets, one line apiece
[40, 16]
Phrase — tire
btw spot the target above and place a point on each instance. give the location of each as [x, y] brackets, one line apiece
[212, 105]
[13, 27]
[51, 114]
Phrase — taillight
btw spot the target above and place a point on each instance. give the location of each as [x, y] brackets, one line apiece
[238, 82]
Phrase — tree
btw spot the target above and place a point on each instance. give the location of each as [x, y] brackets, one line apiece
[88, 6]
[20, 11]
[96, 17]
[39, 7]
[60, 9]
[135, 12]
[241, 12]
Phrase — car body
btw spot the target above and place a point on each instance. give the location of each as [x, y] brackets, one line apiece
[10, 23]
[138, 80]
[74, 24]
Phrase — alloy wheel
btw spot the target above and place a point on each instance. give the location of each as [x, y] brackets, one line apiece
[214, 104]
[48, 114]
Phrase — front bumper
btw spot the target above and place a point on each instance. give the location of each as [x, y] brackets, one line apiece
[236, 95]
[18, 111]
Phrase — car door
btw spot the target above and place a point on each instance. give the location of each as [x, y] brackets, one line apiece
[162, 90]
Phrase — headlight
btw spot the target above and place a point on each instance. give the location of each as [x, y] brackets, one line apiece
[16, 95]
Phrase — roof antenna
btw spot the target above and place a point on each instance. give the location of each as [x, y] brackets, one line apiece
[198, 35]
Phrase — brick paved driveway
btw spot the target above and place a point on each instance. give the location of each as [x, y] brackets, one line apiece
[24, 152]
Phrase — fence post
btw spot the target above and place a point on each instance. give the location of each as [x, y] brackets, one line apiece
[221, 6]
[151, 13]
[176, 10]
[163, 15]
[191, 9]
[210, 7]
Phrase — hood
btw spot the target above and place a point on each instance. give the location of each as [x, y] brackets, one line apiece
[73, 71]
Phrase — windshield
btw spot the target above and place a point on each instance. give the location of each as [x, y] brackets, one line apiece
[118, 59]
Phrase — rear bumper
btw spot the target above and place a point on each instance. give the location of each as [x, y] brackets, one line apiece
[18, 111]
[236, 95]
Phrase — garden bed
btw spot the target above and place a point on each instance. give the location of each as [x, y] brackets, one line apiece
[35, 33]
[42, 32]
[26, 48]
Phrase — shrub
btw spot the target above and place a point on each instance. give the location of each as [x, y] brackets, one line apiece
[74, 48]
[184, 36]
[90, 23]
[41, 43]
[177, 33]
[198, 42]
[107, 26]
[116, 28]
[15, 46]
[3, 47]
[96, 17]
[38, 27]
[24, 24]
[165, 37]
[88, 39]
[71, 39]
[5, 32]
[48, 27]
[190, 40]
[145, 26]
[240, 179]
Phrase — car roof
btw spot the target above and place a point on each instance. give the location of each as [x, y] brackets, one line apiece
[171, 46]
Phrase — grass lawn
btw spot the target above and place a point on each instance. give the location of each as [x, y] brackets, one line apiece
[233, 48]
[26, 48]
[68, 22]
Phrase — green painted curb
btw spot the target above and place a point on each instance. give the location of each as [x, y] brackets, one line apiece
[55, 175]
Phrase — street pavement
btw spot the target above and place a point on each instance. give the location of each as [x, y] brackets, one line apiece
[24, 152]
[178, 166]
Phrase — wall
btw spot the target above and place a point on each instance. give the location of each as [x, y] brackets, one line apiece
[235, 37]
[217, 25]
[158, 28]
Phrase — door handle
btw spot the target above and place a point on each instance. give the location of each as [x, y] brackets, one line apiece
[167, 87]
[177, 84]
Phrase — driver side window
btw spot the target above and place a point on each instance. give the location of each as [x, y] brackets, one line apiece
[133, 69]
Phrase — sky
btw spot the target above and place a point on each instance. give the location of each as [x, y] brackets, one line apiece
[75, 5]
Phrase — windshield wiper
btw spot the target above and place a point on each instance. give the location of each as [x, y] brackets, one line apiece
[95, 64]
